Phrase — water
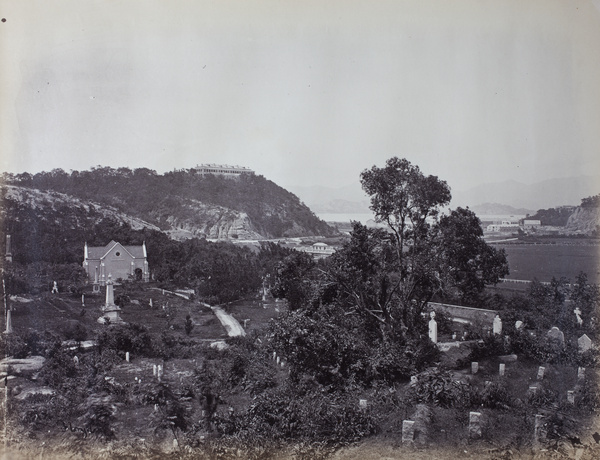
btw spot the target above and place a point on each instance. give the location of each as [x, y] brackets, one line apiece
[345, 217]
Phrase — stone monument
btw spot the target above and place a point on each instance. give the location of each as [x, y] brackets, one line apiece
[111, 312]
[433, 333]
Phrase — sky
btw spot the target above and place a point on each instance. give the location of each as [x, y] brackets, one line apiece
[304, 93]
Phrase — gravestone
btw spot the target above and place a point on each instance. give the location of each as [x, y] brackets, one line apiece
[433, 332]
[497, 325]
[584, 343]
[556, 335]
[540, 374]
[76, 360]
[454, 336]
[55, 288]
[580, 373]
[518, 325]
[127, 356]
[502, 369]
[362, 403]
[474, 367]
[408, 432]
[83, 300]
[474, 424]
[154, 370]
[9, 327]
[571, 397]
[150, 303]
[414, 380]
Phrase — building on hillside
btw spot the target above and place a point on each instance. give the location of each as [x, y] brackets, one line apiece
[222, 170]
[318, 250]
[505, 226]
[529, 224]
[121, 262]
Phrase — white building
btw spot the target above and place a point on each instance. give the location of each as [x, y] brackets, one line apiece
[222, 170]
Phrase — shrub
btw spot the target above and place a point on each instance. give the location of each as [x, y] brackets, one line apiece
[438, 387]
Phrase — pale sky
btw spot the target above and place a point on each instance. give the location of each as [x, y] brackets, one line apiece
[303, 92]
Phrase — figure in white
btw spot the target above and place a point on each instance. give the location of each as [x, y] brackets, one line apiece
[55, 288]
[577, 312]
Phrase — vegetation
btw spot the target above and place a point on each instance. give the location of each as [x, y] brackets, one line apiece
[346, 357]
[158, 198]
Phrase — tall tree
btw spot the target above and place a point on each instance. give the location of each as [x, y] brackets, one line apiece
[390, 276]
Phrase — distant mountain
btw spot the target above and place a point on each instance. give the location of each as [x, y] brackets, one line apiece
[184, 203]
[539, 195]
[348, 199]
[496, 209]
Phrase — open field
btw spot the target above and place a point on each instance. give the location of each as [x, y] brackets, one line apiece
[544, 261]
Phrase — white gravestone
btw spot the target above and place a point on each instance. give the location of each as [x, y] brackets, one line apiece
[474, 367]
[497, 326]
[518, 325]
[540, 374]
[580, 373]
[571, 397]
[433, 333]
[584, 343]
[502, 369]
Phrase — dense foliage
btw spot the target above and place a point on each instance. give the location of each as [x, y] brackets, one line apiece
[158, 198]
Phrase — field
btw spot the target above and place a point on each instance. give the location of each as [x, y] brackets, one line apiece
[544, 261]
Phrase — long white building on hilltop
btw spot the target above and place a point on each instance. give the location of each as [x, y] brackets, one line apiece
[222, 170]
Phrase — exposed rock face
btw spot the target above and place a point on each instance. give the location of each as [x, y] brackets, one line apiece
[584, 220]
[50, 201]
[210, 221]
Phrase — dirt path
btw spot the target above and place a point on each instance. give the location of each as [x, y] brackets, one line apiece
[231, 325]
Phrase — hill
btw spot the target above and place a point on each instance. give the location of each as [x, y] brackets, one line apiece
[184, 204]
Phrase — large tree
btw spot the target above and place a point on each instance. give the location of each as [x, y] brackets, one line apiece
[389, 277]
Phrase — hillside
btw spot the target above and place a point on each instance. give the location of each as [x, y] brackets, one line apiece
[185, 204]
[585, 219]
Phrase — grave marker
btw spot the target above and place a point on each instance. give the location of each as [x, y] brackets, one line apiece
[540, 374]
[556, 335]
[571, 397]
[474, 424]
[502, 369]
[362, 403]
[580, 373]
[433, 332]
[474, 367]
[584, 343]
[497, 325]
[127, 356]
[518, 325]
[408, 432]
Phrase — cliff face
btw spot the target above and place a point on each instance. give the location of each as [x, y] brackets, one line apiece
[584, 220]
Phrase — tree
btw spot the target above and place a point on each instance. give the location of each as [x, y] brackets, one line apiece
[391, 276]
[470, 262]
[293, 281]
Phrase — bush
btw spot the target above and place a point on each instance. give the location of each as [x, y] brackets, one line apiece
[438, 387]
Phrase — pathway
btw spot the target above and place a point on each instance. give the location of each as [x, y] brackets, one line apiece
[231, 325]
